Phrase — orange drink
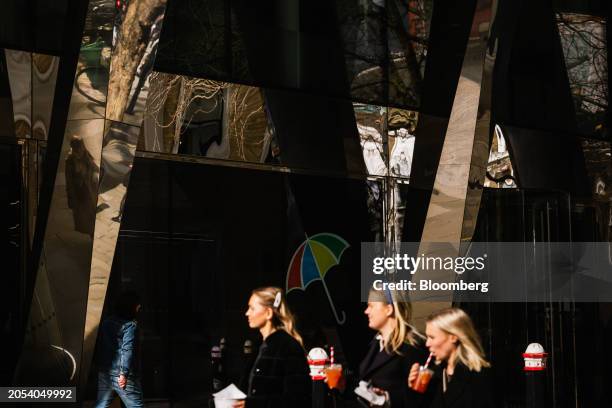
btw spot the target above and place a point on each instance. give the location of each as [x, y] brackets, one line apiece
[422, 381]
[334, 374]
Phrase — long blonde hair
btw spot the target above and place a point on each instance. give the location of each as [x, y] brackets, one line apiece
[282, 318]
[403, 331]
[456, 322]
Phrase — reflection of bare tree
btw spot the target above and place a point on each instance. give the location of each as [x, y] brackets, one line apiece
[81, 185]
[385, 49]
[129, 51]
[180, 92]
[583, 39]
[181, 99]
[598, 161]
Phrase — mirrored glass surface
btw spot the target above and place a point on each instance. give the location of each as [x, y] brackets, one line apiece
[19, 68]
[375, 51]
[583, 39]
[118, 151]
[387, 139]
[500, 172]
[60, 294]
[44, 76]
[176, 239]
[91, 80]
[137, 28]
[6, 102]
[598, 160]
[221, 120]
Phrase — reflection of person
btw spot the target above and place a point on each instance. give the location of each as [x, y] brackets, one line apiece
[393, 351]
[81, 185]
[126, 180]
[454, 343]
[280, 375]
[117, 355]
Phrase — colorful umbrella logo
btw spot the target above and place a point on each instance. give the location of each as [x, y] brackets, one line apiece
[312, 260]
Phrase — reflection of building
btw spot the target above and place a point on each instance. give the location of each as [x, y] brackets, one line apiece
[261, 125]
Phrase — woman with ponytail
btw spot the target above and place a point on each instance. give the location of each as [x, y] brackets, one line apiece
[279, 377]
[395, 348]
[463, 375]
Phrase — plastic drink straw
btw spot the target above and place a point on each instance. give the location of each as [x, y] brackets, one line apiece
[428, 360]
[331, 355]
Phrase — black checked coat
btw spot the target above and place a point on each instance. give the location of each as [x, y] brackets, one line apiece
[279, 377]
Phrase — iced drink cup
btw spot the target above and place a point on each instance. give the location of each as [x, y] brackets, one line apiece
[334, 372]
[422, 381]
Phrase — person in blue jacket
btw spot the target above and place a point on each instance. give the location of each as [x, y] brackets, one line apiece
[117, 355]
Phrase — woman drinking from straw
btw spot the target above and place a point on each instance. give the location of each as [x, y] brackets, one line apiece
[454, 343]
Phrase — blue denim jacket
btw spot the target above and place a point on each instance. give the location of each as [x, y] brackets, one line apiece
[118, 346]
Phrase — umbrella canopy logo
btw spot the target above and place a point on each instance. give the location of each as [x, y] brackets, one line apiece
[312, 260]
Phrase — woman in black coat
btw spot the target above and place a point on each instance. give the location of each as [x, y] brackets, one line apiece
[394, 350]
[462, 378]
[280, 376]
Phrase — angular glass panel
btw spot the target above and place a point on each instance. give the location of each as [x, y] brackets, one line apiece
[583, 39]
[7, 120]
[91, 80]
[44, 70]
[54, 339]
[401, 128]
[49, 21]
[371, 124]
[118, 151]
[221, 120]
[375, 51]
[500, 172]
[598, 161]
[136, 35]
[19, 68]
[387, 139]
[206, 118]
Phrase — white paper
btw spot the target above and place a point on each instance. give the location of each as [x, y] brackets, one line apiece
[230, 392]
[364, 392]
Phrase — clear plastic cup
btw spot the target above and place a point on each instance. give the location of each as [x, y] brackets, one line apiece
[334, 374]
[422, 381]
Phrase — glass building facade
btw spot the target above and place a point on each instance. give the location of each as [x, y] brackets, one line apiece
[186, 149]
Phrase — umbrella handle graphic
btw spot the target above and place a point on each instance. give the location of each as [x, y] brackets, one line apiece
[340, 321]
[333, 308]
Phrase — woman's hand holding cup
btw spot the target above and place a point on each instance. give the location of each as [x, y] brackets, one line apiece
[413, 375]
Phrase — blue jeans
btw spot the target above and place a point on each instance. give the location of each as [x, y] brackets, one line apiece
[108, 387]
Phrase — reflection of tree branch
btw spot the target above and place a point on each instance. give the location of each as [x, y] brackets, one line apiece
[592, 101]
[572, 26]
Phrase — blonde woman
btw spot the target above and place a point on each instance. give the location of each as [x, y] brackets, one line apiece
[280, 375]
[453, 341]
[395, 348]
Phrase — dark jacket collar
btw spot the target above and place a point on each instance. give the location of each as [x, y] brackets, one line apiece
[374, 360]
[457, 385]
[278, 337]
